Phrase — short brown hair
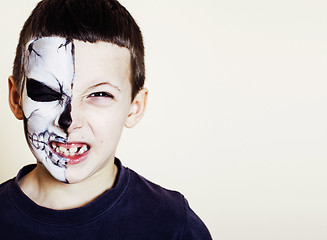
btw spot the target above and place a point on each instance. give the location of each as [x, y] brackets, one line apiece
[85, 20]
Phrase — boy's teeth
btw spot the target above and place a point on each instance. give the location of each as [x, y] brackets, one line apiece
[71, 151]
[81, 151]
[62, 149]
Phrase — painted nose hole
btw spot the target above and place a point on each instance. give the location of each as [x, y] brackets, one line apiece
[65, 119]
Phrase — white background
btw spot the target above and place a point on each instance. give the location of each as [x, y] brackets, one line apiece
[236, 119]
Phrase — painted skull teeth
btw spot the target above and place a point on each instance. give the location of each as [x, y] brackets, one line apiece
[69, 150]
[40, 141]
[46, 94]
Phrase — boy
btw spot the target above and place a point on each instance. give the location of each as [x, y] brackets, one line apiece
[77, 81]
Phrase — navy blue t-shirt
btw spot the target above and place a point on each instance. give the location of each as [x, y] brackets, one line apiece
[134, 208]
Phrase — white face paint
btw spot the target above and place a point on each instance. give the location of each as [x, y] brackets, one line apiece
[46, 99]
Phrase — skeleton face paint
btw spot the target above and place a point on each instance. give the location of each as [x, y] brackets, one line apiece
[46, 101]
[76, 99]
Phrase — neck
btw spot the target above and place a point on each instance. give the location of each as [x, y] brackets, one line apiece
[48, 192]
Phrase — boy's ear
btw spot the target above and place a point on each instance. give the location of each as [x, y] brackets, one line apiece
[137, 108]
[14, 99]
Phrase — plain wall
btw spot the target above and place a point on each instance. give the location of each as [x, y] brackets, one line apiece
[236, 119]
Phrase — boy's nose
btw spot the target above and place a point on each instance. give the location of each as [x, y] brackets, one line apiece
[65, 119]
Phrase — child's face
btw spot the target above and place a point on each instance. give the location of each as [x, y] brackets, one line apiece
[76, 99]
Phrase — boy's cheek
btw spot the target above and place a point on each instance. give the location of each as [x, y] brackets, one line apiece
[42, 116]
[38, 109]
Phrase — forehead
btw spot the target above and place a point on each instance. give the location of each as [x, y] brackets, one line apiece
[48, 59]
[101, 61]
[62, 59]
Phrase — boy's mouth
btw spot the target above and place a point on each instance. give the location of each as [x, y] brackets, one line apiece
[71, 151]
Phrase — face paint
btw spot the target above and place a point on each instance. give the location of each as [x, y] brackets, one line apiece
[46, 101]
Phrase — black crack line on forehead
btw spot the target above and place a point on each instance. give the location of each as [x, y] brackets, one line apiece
[73, 59]
[26, 60]
[31, 49]
[73, 54]
[68, 41]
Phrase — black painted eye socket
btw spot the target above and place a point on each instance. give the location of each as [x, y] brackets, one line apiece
[39, 92]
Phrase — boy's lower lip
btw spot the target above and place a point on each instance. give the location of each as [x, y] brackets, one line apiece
[72, 161]
[73, 152]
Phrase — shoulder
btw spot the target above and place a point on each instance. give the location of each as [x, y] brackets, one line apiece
[6, 203]
[11, 184]
[5, 186]
[170, 207]
[147, 189]
[194, 228]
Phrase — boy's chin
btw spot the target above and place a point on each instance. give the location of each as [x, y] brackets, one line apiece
[57, 172]
[74, 176]
[54, 166]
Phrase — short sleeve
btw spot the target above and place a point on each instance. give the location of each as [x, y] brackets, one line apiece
[194, 228]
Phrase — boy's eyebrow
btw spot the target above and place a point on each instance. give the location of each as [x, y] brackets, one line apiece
[105, 83]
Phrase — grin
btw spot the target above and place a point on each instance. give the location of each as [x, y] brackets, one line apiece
[74, 152]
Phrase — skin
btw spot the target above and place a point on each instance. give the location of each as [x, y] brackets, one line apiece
[99, 95]
[49, 67]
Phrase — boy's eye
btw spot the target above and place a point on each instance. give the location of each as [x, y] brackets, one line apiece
[39, 92]
[102, 94]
